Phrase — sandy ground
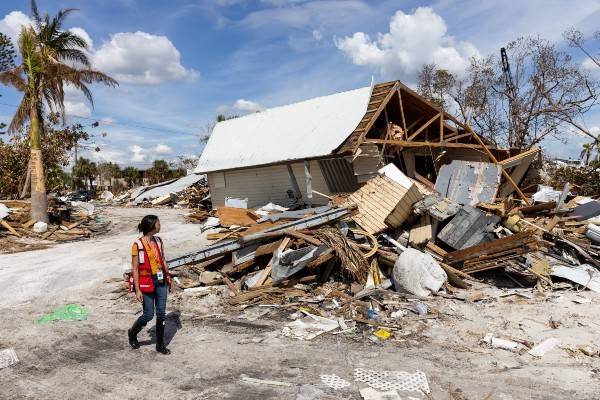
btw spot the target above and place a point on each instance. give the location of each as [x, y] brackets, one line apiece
[212, 349]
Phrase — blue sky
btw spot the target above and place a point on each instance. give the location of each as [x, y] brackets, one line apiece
[181, 62]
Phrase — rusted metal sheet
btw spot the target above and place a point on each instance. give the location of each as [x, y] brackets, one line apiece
[469, 182]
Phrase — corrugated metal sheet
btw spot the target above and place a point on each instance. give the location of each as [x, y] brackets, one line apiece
[468, 182]
[309, 129]
[339, 175]
[383, 203]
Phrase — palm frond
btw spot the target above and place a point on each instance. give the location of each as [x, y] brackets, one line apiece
[35, 14]
[14, 77]
[21, 115]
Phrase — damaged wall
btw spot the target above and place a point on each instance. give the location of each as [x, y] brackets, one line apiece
[262, 185]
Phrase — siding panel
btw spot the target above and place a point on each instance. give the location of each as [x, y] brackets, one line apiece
[267, 184]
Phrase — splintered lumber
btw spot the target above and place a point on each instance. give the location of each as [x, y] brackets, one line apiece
[550, 205]
[10, 228]
[231, 286]
[28, 223]
[307, 238]
[264, 274]
[493, 247]
[235, 216]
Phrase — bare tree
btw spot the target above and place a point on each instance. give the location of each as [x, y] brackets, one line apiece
[547, 92]
[576, 39]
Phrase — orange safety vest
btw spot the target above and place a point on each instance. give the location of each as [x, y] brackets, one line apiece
[145, 269]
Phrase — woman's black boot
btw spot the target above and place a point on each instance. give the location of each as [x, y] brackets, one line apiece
[160, 338]
[132, 333]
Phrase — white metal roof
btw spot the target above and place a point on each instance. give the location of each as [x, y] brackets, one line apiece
[311, 128]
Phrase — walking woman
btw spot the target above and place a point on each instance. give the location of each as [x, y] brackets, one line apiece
[151, 281]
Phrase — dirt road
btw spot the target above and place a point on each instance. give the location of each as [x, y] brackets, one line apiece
[43, 276]
[212, 349]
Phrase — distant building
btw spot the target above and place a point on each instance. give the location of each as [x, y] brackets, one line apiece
[569, 162]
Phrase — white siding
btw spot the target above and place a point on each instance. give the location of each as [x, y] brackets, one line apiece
[266, 184]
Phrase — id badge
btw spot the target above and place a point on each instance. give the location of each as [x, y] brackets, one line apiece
[159, 276]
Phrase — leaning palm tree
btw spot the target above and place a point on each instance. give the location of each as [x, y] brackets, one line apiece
[586, 153]
[51, 59]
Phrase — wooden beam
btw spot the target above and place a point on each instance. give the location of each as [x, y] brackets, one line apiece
[404, 143]
[375, 116]
[515, 160]
[456, 137]
[414, 123]
[402, 114]
[441, 127]
[411, 137]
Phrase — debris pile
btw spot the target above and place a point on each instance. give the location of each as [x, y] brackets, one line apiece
[374, 257]
[190, 191]
[68, 221]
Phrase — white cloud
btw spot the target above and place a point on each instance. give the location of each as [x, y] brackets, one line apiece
[84, 35]
[77, 109]
[141, 58]
[11, 24]
[162, 149]
[317, 35]
[413, 40]
[137, 153]
[246, 106]
[591, 67]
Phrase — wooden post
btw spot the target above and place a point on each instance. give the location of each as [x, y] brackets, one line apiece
[441, 127]
[405, 131]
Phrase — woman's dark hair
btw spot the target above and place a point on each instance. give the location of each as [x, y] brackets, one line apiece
[147, 224]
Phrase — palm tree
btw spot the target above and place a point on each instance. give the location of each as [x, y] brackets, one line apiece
[51, 58]
[586, 153]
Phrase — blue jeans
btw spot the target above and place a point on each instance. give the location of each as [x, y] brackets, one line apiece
[156, 300]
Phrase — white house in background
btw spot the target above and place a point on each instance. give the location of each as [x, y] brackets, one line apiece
[258, 156]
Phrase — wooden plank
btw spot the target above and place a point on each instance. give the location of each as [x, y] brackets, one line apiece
[421, 232]
[10, 228]
[411, 137]
[406, 144]
[538, 207]
[231, 286]
[264, 274]
[28, 223]
[405, 132]
[495, 246]
[424, 181]
[308, 239]
[235, 216]
[322, 259]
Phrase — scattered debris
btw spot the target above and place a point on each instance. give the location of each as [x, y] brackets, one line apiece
[541, 349]
[334, 381]
[70, 312]
[8, 357]
[393, 380]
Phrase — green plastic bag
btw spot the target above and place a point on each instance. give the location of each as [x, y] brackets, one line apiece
[70, 312]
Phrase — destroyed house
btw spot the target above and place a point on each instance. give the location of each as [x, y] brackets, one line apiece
[307, 151]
